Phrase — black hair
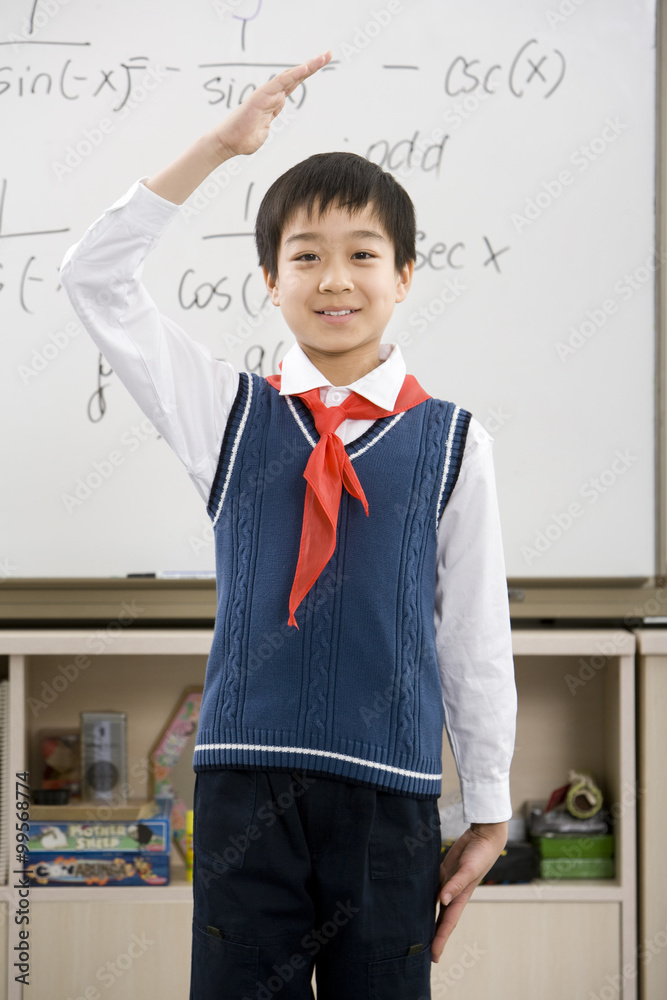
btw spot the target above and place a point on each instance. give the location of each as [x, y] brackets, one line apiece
[343, 180]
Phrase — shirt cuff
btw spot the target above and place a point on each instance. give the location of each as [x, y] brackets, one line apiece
[487, 802]
[150, 212]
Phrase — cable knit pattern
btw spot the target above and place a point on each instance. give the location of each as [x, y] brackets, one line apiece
[355, 692]
[409, 612]
[320, 611]
[229, 693]
[244, 528]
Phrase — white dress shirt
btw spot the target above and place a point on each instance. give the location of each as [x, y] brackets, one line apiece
[188, 394]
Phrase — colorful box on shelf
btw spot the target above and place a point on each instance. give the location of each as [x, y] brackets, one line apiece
[78, 828]
[577, 868]
[74, 845]
[108, 868]
[576, 857]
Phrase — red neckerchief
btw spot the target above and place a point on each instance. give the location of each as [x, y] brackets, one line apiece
[327, 470]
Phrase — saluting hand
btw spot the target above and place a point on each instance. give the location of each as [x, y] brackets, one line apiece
[247, 127]
[241, 132]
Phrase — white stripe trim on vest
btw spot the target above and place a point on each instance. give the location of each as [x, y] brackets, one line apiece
[356, 454]
[448, 457]
[235, 449]
[374, 440]
[319, 753]
[300, 422]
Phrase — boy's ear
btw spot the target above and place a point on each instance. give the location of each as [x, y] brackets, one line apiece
[404, 280]
[272, 286]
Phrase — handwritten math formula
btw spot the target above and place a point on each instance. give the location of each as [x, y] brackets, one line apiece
[40, 71]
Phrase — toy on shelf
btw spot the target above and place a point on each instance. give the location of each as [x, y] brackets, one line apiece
[60, 761]
[83, 845]
[572, 831]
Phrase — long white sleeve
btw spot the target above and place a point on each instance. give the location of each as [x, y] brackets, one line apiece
[473, 636]
[175, 380]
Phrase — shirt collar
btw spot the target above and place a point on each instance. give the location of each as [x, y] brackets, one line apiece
[381, 385]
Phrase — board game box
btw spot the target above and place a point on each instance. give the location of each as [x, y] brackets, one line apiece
[70, 834]
[97, 868]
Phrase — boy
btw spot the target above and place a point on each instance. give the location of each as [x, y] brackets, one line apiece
[346, 575]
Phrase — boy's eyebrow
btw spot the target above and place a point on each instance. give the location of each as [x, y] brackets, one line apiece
[358, 234]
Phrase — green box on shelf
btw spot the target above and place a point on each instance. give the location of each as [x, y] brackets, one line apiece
[575, 847]
[577, 868]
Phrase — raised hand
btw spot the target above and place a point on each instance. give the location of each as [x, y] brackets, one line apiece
[241, 132]
[247, 127]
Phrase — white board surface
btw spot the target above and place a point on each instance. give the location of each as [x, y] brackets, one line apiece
[523, 131]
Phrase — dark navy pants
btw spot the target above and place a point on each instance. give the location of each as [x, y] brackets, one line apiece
[295, 872]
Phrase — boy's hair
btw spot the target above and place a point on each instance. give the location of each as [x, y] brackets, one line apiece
[341, 180]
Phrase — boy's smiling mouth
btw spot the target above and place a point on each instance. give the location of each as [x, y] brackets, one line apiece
[335, 312]
[336, 316]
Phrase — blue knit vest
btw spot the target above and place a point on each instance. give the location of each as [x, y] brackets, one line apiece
[355, 692]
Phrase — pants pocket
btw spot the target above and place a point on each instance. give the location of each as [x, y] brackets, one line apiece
[221, 967]
[405, 978]
[224, 803]
[405, 836]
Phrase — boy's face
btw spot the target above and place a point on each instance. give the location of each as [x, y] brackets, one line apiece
[342, 264]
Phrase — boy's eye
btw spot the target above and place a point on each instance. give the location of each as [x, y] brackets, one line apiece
[359, 255]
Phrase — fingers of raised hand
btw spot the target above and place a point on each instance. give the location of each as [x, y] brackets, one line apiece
[291, 78]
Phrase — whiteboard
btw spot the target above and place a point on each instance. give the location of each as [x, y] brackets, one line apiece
[523, 131]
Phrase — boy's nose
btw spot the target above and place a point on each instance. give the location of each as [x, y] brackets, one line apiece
[336, 279]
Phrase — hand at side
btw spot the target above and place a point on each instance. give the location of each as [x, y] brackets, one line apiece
[465, 865]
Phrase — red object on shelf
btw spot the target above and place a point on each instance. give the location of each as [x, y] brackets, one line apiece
[556, 797]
